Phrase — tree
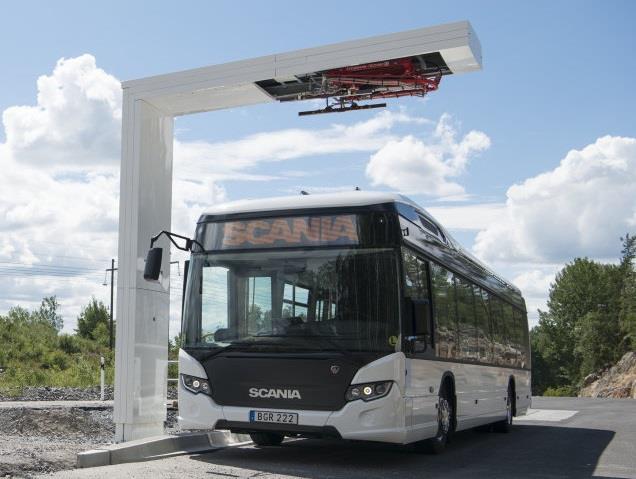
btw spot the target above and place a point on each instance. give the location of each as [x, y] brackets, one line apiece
[48, 312]
[543, 373]
[590, 322]
[582, 287]
[627, 301]
[598, 337]
[92, 316]
[173, 346]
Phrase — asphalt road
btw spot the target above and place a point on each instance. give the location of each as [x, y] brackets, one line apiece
[565, 437]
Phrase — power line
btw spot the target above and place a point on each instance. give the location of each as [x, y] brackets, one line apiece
[46, 266]
[39, 253]
[46, 272]
[96, 259]
[66, 279]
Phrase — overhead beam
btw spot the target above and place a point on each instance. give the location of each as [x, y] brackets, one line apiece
[233, 84]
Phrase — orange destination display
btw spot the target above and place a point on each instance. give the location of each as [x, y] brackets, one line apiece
[284, 232]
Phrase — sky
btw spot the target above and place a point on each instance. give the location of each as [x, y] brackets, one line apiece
[529, 163]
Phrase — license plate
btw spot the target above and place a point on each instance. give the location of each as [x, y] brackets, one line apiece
[274, 417]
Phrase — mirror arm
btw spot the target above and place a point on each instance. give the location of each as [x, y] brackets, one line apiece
[171, 236]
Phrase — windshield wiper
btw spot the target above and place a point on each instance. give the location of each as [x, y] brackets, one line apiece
[233, 347]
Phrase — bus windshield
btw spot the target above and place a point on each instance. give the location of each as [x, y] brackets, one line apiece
[311, 300]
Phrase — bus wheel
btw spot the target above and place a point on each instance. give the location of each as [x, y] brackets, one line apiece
[506, 424]
[445, 418]
[267, 438]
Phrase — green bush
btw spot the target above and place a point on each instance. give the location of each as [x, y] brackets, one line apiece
[34, 353]
[563, 391]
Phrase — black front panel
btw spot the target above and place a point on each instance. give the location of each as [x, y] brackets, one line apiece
[309, 382]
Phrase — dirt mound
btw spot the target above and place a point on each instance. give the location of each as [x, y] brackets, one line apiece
[616, 382]
[75, 424]
[41, 440]
[36, 439]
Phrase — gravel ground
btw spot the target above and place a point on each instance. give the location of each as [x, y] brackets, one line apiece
[36, 440]
[65, 394]
[55, 394]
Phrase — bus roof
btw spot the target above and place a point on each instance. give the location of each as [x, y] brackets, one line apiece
[323, 200]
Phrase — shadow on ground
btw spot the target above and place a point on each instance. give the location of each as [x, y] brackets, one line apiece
[530, 451]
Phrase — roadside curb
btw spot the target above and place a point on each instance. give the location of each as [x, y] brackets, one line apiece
[159, 447]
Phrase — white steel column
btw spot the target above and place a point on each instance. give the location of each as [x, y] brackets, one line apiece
[142, 307]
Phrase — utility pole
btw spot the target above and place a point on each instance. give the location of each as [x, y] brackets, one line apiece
[112, 270]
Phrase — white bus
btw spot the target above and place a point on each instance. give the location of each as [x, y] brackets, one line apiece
[352, 316]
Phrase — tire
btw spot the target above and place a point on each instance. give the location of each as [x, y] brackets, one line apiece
[505, 426]
[267, 438]
[445, 424]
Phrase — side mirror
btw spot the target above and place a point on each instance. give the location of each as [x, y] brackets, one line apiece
[153, 264]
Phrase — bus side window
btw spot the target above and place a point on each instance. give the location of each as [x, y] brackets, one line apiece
[496, 318]
[468, 348]
[518, 338]
[484, 335]
[417, 296]
[526, 339]
[444, 312]
[510, 351]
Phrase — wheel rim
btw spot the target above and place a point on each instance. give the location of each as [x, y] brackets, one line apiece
[444, 414]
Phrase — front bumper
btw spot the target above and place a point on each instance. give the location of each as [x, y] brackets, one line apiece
[377, 420]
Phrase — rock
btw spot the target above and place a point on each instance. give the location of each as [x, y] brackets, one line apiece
[589, 379]
[617, 382]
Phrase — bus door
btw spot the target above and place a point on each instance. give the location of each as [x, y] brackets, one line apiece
[418, 334]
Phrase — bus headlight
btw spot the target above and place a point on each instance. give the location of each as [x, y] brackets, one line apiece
[368, 391]
[196, 385]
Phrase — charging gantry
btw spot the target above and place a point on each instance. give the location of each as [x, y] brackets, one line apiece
[346, 75]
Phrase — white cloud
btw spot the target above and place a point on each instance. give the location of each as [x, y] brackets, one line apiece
[430, 167]
[59, 183]
[59, 208]
[223, 160]
[580, 208]
[474, 217]
[534, 282]
[76, 122]
[60, 190]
